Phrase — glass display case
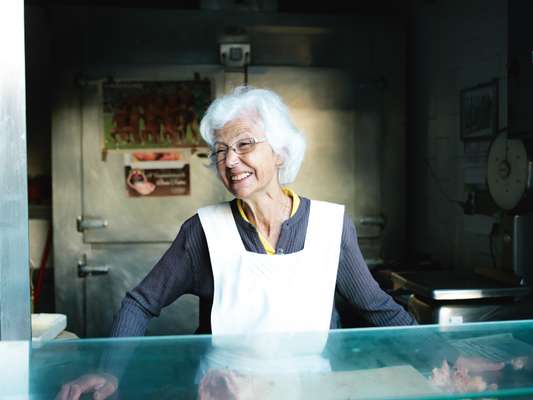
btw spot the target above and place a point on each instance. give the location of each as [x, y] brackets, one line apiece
[481, 360]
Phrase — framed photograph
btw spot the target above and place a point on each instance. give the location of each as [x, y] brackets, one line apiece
[479, 111]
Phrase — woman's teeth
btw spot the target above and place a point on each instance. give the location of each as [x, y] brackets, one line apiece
[240, 177]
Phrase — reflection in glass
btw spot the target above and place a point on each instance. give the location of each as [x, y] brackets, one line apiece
[484, 360]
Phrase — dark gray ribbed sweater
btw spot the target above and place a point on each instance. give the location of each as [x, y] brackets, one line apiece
[186, 268]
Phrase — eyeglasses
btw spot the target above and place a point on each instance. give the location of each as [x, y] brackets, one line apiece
[242, 146]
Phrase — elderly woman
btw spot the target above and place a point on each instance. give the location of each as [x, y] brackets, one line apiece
[269, 260]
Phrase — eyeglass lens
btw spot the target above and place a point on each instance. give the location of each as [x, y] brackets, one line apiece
[242, 146]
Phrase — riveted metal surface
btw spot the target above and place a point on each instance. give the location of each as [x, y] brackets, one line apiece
[14, 264]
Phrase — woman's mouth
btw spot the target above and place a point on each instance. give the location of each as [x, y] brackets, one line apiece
[240, 177]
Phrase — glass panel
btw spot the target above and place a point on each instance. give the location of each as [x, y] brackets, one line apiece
[485, 360]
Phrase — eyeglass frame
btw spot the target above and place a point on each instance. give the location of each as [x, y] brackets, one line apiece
[213, 153]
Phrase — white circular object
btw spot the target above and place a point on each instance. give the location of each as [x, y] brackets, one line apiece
[507, 171]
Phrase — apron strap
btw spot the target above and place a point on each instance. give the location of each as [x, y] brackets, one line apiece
[325, 225]
[218, 223]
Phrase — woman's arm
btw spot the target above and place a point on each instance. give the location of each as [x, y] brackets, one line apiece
[170, 278]
[356, 284]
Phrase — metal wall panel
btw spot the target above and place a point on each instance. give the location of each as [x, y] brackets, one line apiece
[66, 181]
[128, 264]
[14, 265]
[132, 219]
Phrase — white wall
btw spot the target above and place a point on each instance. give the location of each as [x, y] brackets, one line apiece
[455, 45]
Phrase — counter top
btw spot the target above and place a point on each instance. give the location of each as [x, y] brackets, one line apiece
[438, 362]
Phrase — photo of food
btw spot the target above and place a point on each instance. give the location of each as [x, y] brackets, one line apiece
[148, 115]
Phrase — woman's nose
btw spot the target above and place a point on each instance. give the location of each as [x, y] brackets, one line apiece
[232, 158]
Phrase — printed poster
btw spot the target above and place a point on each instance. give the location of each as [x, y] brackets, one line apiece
[157, 173]
[154, 115]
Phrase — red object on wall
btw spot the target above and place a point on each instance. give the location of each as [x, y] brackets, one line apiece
[40, 189]
[42, 267]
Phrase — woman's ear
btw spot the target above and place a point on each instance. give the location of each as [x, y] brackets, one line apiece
[279, 160]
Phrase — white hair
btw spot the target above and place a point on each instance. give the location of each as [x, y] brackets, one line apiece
[286, 140]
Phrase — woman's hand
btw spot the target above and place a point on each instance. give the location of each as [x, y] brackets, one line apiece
[219, 384]
[101, 385]
[477, 364]
[464, 376]
[230, 385]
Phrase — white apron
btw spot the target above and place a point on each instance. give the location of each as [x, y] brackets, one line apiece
[272, 313]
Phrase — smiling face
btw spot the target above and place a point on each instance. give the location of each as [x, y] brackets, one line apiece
[249, 175]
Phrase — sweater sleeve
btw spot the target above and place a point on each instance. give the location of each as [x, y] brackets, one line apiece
[356, 284]
[170, 278]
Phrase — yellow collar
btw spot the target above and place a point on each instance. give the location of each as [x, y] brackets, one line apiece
[289, 192]
[295, 204]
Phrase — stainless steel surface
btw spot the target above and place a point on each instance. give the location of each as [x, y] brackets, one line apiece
[462, 294]
[132, 219]
[379, 221]
[83, 223]
[14, 264]
[370, 227]
[322, 104]
[130, 264]
[522, 247]
[66, 178]
[91, 302]
[84, 269]
[452, 285]
[459, 312]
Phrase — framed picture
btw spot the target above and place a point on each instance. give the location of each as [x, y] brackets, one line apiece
[154, 115]
[479, 111]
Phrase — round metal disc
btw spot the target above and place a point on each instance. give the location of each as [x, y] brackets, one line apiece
[507, 170]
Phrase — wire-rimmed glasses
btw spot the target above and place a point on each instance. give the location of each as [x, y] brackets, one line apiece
[242, 146]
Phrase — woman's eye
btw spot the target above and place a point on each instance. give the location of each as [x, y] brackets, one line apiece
[244, 145]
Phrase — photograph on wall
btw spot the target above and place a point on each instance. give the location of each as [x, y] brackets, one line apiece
[154, 115]
[157, 173]
[475, 165]
[479, 111]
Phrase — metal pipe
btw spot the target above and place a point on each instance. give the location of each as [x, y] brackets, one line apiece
[15, 323]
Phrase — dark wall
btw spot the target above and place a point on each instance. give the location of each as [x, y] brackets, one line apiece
[520, 68]
[453, 45]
